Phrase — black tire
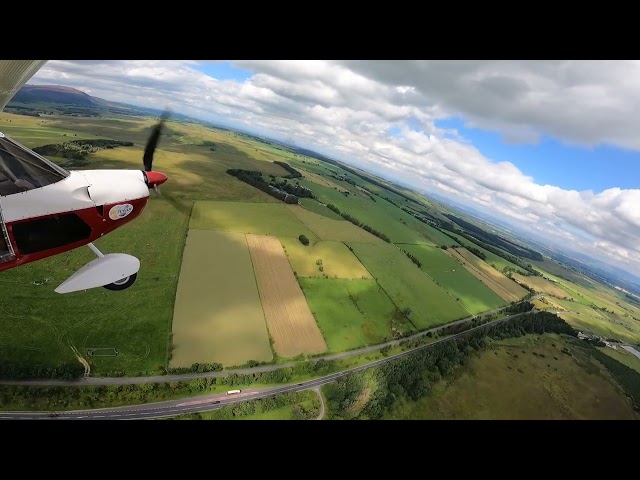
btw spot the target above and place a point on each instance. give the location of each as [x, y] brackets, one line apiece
[122, 284]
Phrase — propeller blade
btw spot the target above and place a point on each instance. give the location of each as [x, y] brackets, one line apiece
[149, 150]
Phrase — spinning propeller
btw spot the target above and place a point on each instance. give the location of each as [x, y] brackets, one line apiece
[153, 179]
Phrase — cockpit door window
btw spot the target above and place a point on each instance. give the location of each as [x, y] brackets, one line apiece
[21, 169]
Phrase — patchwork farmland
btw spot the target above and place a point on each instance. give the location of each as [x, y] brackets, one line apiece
[353, 313]
[329, 229]
[496, 281]
[292, 326]
[409, 288]
[541, 285]
[218, 315]
[475, 296]
[259, 218]
[323, 259]
[220, 301]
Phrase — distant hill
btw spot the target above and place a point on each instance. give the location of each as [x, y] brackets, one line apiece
[32, 99]
[53, 94]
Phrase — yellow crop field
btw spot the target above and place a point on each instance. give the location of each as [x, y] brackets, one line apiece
[506, 288]
[541, 285]
[260, 218]
[218, 316]
[329, 229]
[333, 257]
[292, 326]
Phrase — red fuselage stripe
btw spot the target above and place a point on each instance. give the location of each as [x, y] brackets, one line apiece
[98, 219]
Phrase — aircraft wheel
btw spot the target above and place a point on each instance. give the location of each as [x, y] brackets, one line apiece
[126, 282]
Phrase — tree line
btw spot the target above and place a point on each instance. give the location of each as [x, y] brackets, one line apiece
[64, 371]
[358, 223]
[627, 377]
[196, 368]
[413, 258]
[293, 172]
[297, 189]
[477, 252]
[496, 240]
[263, 405]
[31, 397]
[76, 151]
[362, 176]
[255, 179]
[527, 268]
[519, 307]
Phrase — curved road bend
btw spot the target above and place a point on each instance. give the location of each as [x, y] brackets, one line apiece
[241, 371]
[322, 408]
[204, 403]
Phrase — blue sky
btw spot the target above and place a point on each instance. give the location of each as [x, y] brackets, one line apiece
[223, 70]
[552, 162]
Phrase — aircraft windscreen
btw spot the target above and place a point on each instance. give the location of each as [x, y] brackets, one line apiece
[22, 169]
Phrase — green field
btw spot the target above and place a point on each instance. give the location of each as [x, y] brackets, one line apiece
[316, 207]
[492, 259]
[408, 286]
[605, 323]
[336, 259]
[603, 327]
[330, 229]
[624, 357]
[541, 285]
[474, 295]
[34, 131]
[511, 383]
[574, 306]
[593, 297]
[352, 314]
[259, 218]
[555, 270]
[39, 327]
[496, 261]
[218, 315]
[380, 215]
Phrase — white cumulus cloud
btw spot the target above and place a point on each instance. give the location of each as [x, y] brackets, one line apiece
[380, 115]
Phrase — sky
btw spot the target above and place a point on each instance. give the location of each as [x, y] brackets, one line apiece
[550, 146]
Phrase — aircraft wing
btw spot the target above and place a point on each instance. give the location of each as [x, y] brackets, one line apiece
[13, 75]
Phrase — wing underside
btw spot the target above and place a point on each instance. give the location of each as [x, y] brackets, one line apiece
[13, 75]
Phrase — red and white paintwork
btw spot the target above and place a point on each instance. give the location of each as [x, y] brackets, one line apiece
[91, 194]
[103, 199]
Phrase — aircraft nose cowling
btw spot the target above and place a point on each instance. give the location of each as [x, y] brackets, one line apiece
[155, 178]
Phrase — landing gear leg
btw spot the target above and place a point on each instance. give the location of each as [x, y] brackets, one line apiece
[95, 250]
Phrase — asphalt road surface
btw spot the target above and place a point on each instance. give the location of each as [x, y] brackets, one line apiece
[204, 403]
